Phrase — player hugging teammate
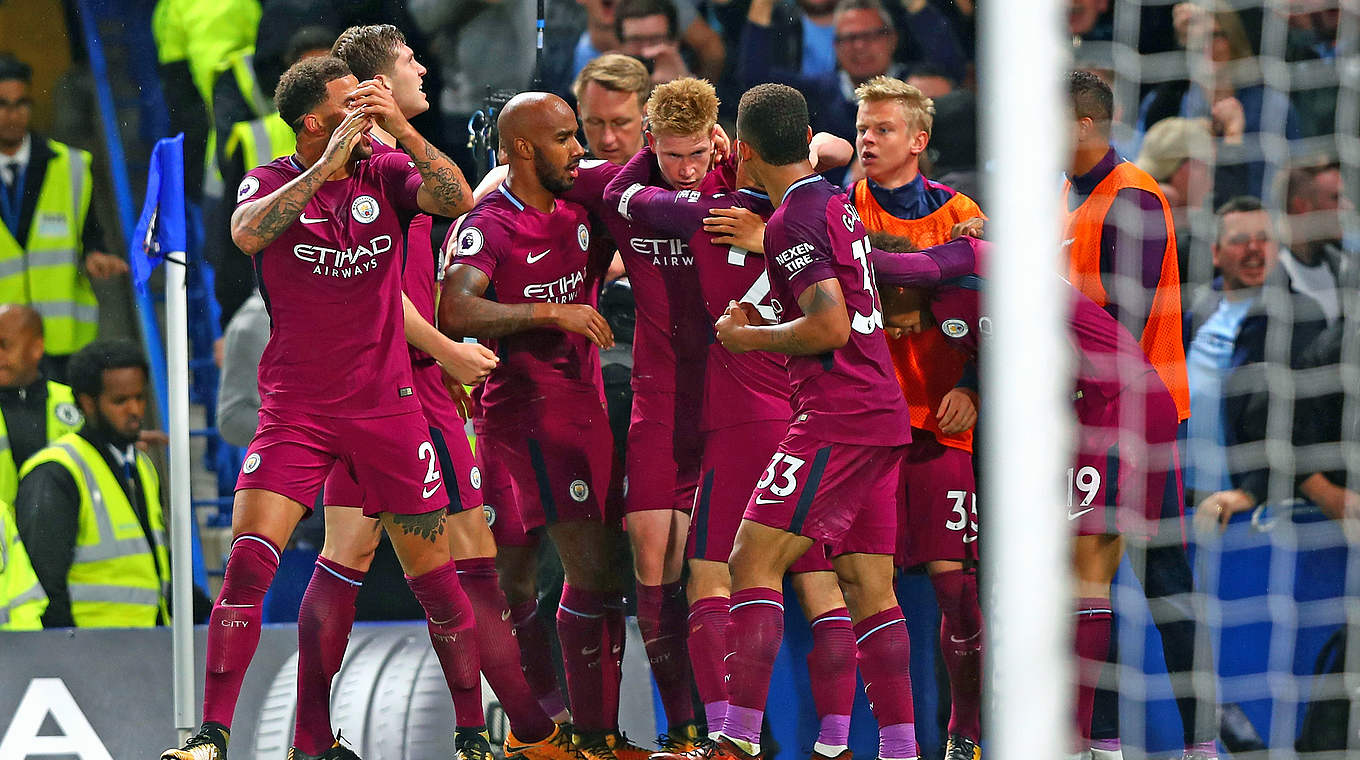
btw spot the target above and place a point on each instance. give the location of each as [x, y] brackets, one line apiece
[777, 427]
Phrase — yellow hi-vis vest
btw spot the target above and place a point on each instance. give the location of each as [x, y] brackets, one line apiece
[239, 65]
[261, 141]
[115, 580]
[63, 416]
[22, 599]
[45, 272]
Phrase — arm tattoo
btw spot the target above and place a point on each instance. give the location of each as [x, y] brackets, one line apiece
[464, 311]
[429, 525]
[803, 336]
[441, 178]
[260, 223]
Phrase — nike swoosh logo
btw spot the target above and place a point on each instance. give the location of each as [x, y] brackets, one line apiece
[505, 615]
[969, 539]
[441, 622]
[587, 651]
[1072, 516]
[763, 500]
[426, 493]
[532, 258]
[1068, 242]
[305, 220]
[236, 606]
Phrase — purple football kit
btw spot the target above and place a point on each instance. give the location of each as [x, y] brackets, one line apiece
[419, 280]
[745, 411]
[1125, 468]
[541, 413]
[335, 379]
[836, 475]
[670, 345]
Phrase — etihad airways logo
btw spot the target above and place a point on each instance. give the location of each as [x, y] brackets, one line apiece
[562, 290]
[350, 262]
[665, 252]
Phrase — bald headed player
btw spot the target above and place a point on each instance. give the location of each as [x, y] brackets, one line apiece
[524, 281]
[33, 409]
[326, 226]
[835, 475]
[745, 411]
[380, 53]
[1123, 472]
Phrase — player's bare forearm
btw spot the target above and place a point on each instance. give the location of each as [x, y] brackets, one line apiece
[463, 312]
[257, 224]
[420, 333]
[443, 189]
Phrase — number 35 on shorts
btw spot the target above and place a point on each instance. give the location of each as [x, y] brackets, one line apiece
[964, 516]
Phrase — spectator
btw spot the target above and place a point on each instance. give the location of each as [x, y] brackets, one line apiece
[33, 409]
[1226, 327]
[1313, 50]
[932, 80]
[238, 394]
[1229, 95]
[611, 98]
[1315, 262]
[865, 40]
[646, 30]
[601, 34]
[952, 154]
[22, 599]
[89, 507]
[51, 244]
[1088, 20]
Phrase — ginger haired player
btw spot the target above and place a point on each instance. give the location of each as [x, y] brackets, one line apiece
[746, 404]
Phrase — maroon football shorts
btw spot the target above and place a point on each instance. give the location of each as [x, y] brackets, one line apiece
[391, 459]
[939, 519]
[734, 458]
[843, 495]
[1127, 471]
[664, 452]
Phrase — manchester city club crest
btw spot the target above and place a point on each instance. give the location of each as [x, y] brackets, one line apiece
[490, 513]
[364, 209]
[583, 236]
[251, 464]
[68, 414]
[475, 477]
[579, 490]
[954, 328]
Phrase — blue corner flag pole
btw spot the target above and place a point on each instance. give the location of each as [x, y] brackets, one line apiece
[161, 237]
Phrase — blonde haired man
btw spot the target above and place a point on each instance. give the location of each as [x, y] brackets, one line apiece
[611, 96]
[745, 411]
[938, 527]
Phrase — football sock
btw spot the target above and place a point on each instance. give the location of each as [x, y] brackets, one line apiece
[535, 657]
[831, 673]
[324, 622]
[884, 654]
[665, 645]
[452, 632]
[707, 653]
[1092, 645]
[234, 626]
[615, 639]
[498, 652]
[754, 632]
[580, 628]
[961, 644]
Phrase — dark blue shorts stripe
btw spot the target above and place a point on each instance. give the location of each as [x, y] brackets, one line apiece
[810, 489]
[441, 450]
[701, 516]
[545, 497]
[1112, 489]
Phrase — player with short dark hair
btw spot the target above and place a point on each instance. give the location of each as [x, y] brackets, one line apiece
[745, 412]
[326, 227]
[834, 477]
[525, 280]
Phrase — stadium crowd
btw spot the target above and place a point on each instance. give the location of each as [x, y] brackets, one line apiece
[712, 316]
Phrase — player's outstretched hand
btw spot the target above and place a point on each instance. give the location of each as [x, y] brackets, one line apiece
[737, 226]
[731, 328]
[342, 140]
[958, 411]
[1217, 509]
[584, 320]
[375, 99]
[970, 228]
[468, 363]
